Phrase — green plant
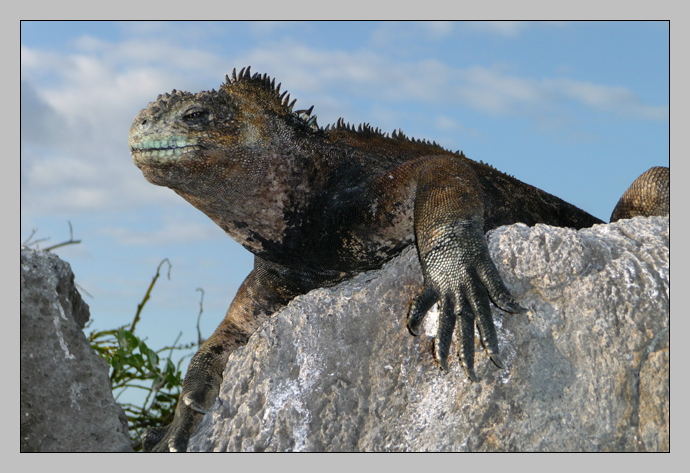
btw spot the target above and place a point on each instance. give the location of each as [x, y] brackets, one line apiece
[134, 365]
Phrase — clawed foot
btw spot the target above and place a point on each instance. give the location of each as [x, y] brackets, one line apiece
[175, 437]
[199, 392]
[450, 312]
[463, 279]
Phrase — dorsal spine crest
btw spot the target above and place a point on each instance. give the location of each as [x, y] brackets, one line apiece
[266, 83]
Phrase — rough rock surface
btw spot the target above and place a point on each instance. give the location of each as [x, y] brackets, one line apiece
[66, 401]
[587, 366]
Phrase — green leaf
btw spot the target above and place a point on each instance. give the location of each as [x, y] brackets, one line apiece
[127, 340]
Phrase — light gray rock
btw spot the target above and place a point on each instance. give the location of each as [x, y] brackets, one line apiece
[587, 366]
[66, 401]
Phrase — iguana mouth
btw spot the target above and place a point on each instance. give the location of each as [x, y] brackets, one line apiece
[162, 150]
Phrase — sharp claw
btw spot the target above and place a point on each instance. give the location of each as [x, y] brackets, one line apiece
[515, 308]
[193, 405]
[418, 308]
[472, 375]
[507, 304]
[497, 361]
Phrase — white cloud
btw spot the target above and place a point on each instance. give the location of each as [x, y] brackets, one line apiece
[67, 169]
[392, 34]
[438, 29]
[495, 92]
[76, 112]
[492, 90]
[449, 124]
[108, 79]
[65, 185]
[77, 107]
[263, 29]
[170, 233]
[610, 98]
[509, 29]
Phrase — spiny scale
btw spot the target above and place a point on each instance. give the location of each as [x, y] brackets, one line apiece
[269, 84]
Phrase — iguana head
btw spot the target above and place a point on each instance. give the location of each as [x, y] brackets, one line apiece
[183, 135]
[230, 153]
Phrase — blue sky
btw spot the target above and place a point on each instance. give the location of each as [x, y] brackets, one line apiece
[578, 109]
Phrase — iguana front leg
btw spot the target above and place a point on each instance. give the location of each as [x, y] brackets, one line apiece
[458, 270]
[266, 290]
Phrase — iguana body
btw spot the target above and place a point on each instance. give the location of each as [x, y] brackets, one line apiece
[316, 206]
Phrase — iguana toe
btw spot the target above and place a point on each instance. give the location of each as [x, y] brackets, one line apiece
[192, 404]
[444, 332]
[419, 307]
[497, 361]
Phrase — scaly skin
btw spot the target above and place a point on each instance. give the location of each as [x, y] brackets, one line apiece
[316, 206]
[649, 194]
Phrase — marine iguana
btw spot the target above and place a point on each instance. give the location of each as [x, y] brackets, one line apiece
[318, 205]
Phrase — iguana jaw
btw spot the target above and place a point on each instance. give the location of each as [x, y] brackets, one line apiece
[151, 152]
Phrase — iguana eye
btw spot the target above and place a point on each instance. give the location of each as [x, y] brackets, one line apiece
[195, 115]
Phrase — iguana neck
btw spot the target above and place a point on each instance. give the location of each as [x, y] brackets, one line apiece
[267, 191]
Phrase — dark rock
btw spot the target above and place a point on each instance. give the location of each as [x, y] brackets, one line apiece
[66, 401]
[587, 366]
